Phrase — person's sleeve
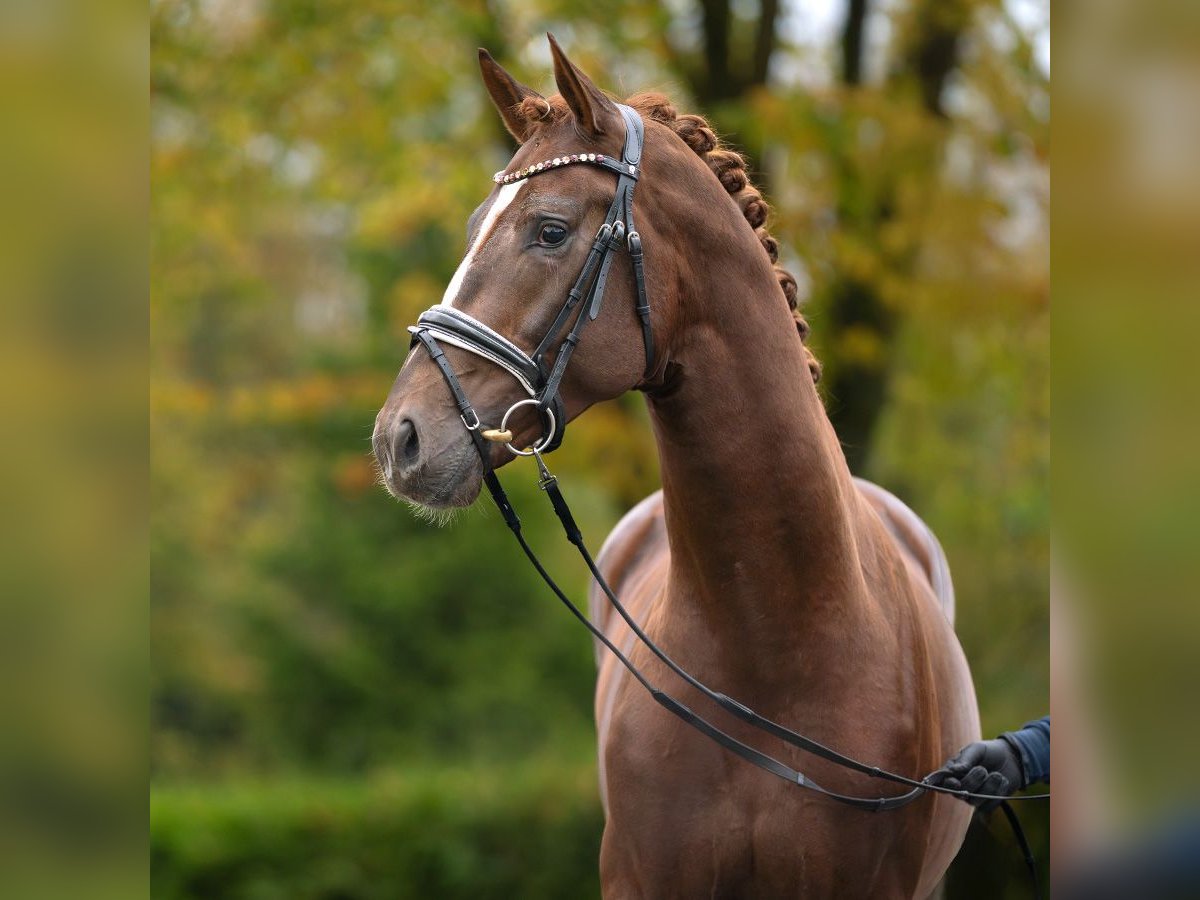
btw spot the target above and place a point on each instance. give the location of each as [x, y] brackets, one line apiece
[1033, 744]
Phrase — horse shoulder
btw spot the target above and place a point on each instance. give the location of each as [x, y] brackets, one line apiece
[639, 538]
[953, 716]
[634, 550]
[915, 540]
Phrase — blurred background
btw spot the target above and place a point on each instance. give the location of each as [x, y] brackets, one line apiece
[347, 702]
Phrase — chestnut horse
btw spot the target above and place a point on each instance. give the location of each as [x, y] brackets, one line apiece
[761, 566]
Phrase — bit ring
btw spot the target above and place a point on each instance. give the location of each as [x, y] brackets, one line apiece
[545, 439]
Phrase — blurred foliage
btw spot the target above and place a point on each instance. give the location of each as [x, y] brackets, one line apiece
[313, 169]
[532, 831]
[73, 585]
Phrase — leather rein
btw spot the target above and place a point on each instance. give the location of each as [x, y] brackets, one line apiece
[541, 379]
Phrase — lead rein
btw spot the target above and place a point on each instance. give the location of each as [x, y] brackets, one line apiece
[549, 483]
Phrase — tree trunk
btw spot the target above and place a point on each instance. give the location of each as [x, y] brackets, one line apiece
[764, 41]
[852, 41]
[858, 388]
[718, 80]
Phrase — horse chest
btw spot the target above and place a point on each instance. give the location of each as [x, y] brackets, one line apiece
[685, 819]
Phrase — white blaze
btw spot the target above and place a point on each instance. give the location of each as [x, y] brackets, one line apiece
[503, 199]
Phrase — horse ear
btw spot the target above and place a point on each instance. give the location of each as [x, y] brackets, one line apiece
[507, 94]
[594, 112]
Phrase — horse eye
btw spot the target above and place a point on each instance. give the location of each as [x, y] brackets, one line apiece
[552, 234]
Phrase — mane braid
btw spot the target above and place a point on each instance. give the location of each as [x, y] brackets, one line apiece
[727, 165]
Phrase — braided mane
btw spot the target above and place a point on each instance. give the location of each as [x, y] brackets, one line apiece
[730, 169]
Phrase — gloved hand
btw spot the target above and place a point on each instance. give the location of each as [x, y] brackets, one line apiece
[984, 767]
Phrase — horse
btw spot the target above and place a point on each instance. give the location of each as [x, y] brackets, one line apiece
[766, 569]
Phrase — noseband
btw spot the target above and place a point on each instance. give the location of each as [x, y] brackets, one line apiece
[541, 379]
[536, 375]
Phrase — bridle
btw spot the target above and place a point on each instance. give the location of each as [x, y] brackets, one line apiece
[534, 373]
[541, 379]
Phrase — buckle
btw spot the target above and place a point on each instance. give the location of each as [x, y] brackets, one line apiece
[545, 479]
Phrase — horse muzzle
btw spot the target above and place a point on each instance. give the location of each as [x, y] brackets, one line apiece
[425, 459]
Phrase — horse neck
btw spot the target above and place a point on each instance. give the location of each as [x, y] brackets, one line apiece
[758, 499]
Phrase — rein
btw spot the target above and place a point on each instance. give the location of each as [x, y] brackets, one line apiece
[541, 381]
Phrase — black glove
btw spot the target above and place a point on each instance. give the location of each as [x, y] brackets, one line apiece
[985, 767]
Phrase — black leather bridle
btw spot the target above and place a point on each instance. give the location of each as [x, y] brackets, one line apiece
[538, 376]
[540, 379]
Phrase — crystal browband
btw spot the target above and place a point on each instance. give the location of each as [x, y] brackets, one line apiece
[597, 159]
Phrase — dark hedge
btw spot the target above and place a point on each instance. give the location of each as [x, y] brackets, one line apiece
[528, 832]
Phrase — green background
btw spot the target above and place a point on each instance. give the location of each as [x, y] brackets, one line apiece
[348, 702]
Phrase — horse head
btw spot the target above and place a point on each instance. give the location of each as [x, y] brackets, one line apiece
[528, 243]
[553, 247]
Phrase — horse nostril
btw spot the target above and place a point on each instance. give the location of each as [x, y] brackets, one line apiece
[406, 445]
